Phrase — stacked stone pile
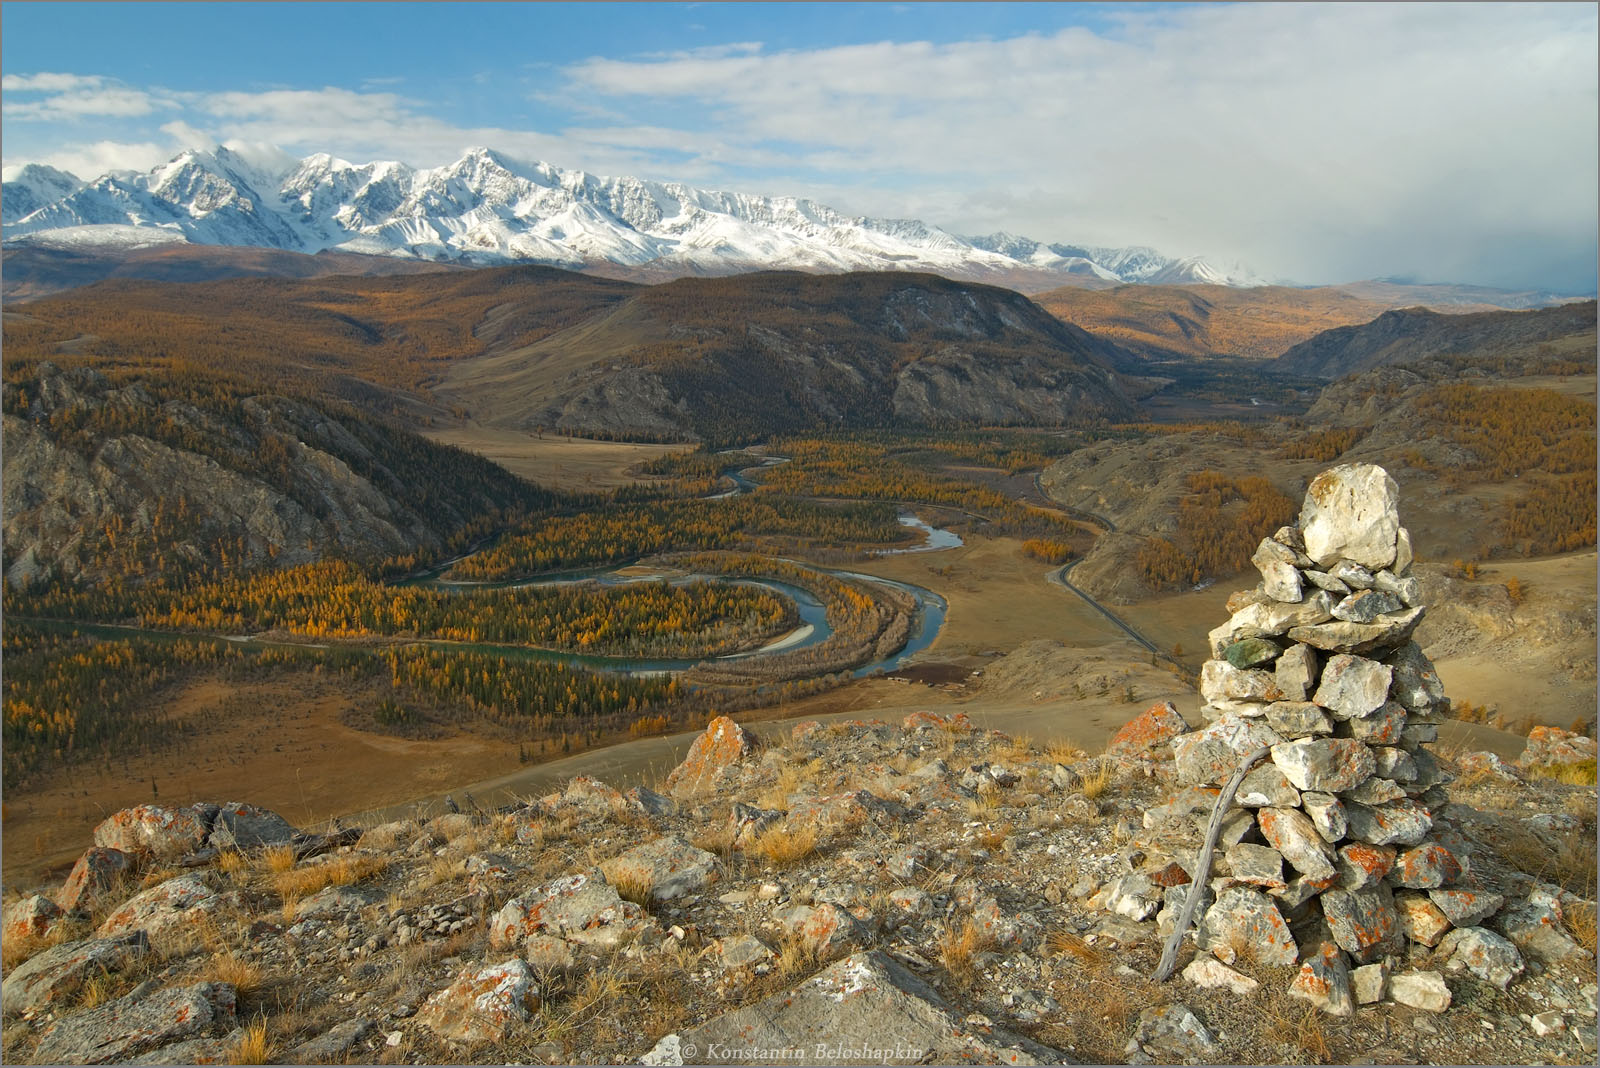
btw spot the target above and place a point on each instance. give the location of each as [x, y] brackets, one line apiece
[1329, 855]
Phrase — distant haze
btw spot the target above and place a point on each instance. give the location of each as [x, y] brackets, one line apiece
[1318, 143]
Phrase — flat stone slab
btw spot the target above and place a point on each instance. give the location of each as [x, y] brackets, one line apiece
[60, 970]
[127, 1027]
[865, 1009]
[667, 868]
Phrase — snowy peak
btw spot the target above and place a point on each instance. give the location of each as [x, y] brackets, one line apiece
[26, 189]
[487, 208]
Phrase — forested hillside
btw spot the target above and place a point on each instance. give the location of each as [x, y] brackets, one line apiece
[127, 476]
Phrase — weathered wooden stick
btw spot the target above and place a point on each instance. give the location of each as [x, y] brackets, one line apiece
[1169, 955]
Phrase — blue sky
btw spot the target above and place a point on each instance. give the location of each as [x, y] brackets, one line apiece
[1311, 142]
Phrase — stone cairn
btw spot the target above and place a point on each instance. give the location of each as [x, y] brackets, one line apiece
[1330, 835]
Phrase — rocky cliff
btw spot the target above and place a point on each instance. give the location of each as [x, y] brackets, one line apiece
[147, 476]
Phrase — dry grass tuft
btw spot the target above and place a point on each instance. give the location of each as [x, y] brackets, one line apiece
[783, 846]
[958, 948]
[245, 976]
[278, 859]
[1296, 1022]
[721, 840]
[1063, 751]
[986, 804]
[157, 876]
[1580, 774]
[254, 1046]
[17, 950]
[99, 989]
[1098, 780]
[342, 871]
[995, 837]
[1064, 943]
[1572, 865]
[796, 957]
[632, 884]
[1580, 921]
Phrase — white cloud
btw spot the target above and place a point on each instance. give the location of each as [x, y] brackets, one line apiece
[90, 161]
[104, 102]
[1315, 141]
[49, 83]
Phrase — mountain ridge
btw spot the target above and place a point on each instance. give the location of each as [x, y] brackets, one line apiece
[487, 208]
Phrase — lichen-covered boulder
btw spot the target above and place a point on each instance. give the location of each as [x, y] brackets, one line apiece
[1420, 918]
[1402, 822]
[45, 979]
[483, 1004]
[97, 871]
[1552, 747]
[722, 745]
[178, 903]
[1207, 757]
[30, 917]
[1324, 981]
[241, 826]
[579, 908]
[1148, 731]
[127, 1027]
[1364, 922]
[1245, 921]
[154, 830]
[1483, 953]
[664, 869]
[1353, 686]
[1291, 832]
[1326, 765]
[824, 928]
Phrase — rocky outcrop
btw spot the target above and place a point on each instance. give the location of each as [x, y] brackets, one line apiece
[865, 1009]
[271, 481]
[132, 1025]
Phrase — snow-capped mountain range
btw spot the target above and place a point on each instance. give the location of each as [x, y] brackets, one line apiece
[489, 209]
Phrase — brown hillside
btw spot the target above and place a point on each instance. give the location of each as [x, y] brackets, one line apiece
[33, 271]
[1163, 322]
[340, 335]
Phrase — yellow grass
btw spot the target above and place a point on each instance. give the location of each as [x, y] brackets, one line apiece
[245, 976]
[1065, 943]
[300, 882]
[632, 885]
[1580, 774]
[783, 846]
[253, 1047]
[1098, 781]
[278, 859]
[993, 838]
[1580, 921]
[958, 947]
[1063, 752]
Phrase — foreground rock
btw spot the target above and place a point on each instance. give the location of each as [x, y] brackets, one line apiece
[50, 977]
[865, 1009]
[129, 1026]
